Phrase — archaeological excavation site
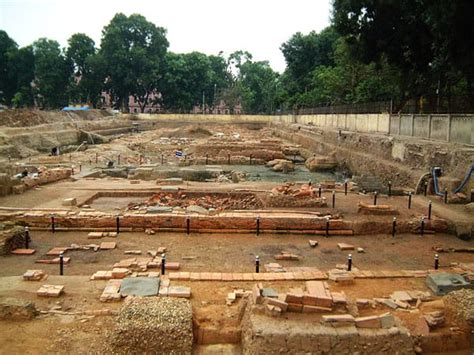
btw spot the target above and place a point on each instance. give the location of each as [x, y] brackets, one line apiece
[236, 234]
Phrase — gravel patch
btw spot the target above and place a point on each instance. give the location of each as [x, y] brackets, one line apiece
[157, 325]
[461, 305]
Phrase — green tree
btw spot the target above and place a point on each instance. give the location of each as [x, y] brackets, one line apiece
[188, 77]
[88, 69]
[24, 69]
[133, 51]
[303, 53]
[428, 41]
[8, 50]
[52, 74]
[259, 84]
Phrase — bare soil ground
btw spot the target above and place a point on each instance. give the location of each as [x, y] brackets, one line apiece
[197, 252]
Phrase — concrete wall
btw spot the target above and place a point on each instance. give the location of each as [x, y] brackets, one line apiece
[376, 123]
[200, 118]
[447, 128]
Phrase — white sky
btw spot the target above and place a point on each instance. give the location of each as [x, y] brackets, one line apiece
[208, 26]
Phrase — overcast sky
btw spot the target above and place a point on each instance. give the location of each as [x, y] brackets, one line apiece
[209, 26]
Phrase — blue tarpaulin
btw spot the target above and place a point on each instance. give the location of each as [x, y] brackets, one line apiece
[76, 108]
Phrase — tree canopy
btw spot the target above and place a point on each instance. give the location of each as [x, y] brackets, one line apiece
[372, 51]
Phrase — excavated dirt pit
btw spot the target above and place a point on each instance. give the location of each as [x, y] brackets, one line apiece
[214, 201]
[213, 153]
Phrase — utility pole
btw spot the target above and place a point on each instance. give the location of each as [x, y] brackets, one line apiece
[215, 93]
[203, 103]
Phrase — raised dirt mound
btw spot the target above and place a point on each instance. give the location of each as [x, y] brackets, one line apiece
[155, 325]
[28, 118]
[188, 132]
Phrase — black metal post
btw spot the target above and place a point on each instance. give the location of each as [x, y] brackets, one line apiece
[118, 159]
[162, 159]
[207, 158]
[445, 195]
[250, 159]
[80, 167]
[345, 187]
[333, 199]
[409, 200]
[53, 226]
[117, 224]
[163, 263]
[61, 264]
[375, 198]
[228, 159]
[188, 225]
[257, 264]
[394, 226]
[389, 188]
[422, 228]
[27, 237]
[349, 262]
[258, 226]
[319, 191]
[327, 227]
[429, 209]
[436, 262]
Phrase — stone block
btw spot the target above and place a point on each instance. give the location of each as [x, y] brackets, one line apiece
[402, 304]
[66, 260]
[276, 302]
[401, 296]
[179, 291]
[257, 294]
[126, 263]
[50, 290]
[107, 245]
[111, 291]
[294, 298]
[368, 322]
[139, 286]
[119, 273]
[339, 298]
[56, 251]
[318, 294]
[163, 292]
[95, 235]
[23, 251]
[70, 201]
[315, 309]
[387, 320]
[294, 307]
[102, 275]
[362, 302]
[33, 275]
[287, 256]
[345, 246]
[269, 292]
[272, 310]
